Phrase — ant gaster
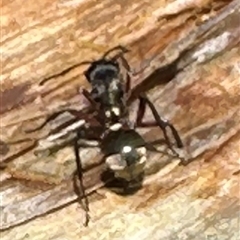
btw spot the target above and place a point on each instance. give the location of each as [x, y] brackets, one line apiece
[125, 154]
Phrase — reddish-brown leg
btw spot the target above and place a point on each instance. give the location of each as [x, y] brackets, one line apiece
[52, 117]
[76, 113]
[82, 197]
[89, 97]
[163, 124]
[128, 85]
[124, 62]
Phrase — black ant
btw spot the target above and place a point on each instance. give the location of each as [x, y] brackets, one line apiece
[109, 105]
[110, 97]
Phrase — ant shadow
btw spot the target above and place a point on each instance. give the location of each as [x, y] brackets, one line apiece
[121, 186]
[161, 76]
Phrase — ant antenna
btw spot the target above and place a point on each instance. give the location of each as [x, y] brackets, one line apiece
[119, 55]
[119, 47]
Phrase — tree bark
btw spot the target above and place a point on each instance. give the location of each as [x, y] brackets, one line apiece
[185, 55]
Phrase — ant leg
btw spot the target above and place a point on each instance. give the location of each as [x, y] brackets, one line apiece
[140, 112]
[128, 85]
[20, 141]
[89, 97]
[124, 61]
[81, 194]
[52, 117]
[150, 147]
[119, 55]
[163, 124]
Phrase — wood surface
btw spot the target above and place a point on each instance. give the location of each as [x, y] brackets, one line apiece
[185, 55]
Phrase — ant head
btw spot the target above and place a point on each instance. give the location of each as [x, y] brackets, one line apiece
[106, 67]
[101, 69]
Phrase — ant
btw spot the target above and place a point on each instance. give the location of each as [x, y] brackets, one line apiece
[109, 100]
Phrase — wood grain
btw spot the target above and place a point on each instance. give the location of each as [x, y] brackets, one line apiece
[196, 46]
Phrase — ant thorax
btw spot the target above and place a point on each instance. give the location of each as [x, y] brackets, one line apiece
[115, 105]
[107, 88]
[110, 95]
